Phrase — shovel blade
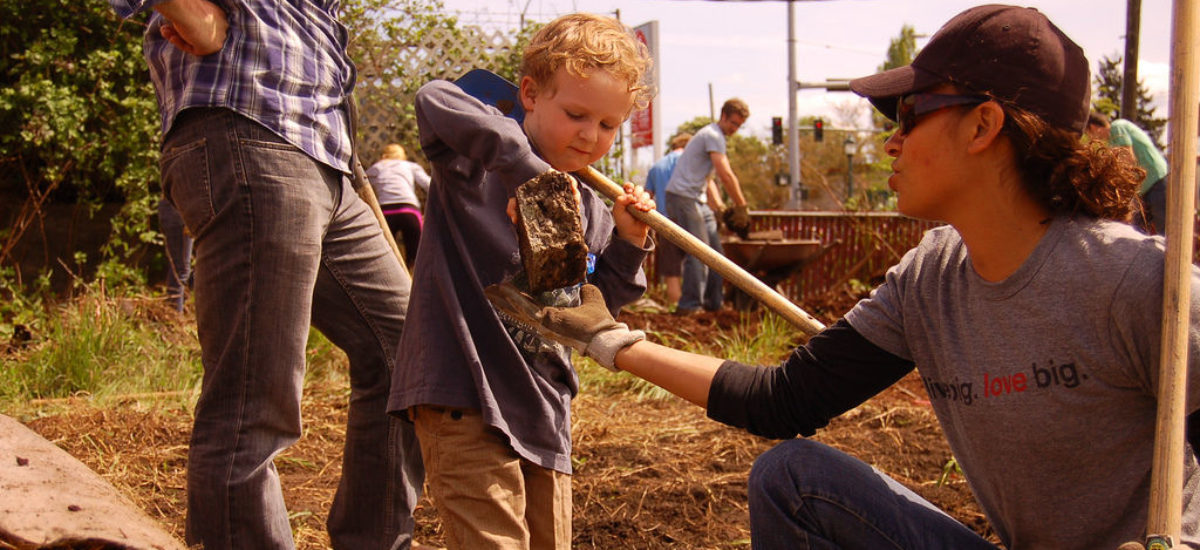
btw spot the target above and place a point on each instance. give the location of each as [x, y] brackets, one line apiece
[517, 306]
[492, 89]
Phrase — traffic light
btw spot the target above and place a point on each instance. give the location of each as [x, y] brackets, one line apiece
[819, 129]
[777, 130]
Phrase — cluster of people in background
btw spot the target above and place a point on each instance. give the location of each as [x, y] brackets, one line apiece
[691, 196]
[1034, 274]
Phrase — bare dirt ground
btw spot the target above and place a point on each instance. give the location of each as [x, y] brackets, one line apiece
[650, 473]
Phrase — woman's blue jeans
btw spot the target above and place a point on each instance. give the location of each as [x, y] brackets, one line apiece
[807, 495]
[282, 241]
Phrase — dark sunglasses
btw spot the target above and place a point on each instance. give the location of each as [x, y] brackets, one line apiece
[912, 107]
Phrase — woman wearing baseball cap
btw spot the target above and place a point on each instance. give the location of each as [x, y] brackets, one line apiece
[1033, 318]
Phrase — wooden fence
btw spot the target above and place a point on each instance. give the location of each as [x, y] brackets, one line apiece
[862, 247]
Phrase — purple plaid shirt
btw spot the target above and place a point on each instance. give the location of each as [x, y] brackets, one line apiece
[283, 65]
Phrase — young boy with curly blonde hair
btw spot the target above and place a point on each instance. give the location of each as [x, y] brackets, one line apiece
[491, 402]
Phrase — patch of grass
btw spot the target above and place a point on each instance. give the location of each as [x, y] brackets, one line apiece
[110, 349]
[765, 342]
[101, 346]
[326, 362]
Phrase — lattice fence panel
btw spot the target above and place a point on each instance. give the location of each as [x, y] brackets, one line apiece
[386, 107]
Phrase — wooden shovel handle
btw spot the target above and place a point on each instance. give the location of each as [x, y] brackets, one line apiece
[1166, 479]
[713, 259]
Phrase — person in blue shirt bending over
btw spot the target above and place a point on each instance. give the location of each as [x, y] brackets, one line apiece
[668, 259]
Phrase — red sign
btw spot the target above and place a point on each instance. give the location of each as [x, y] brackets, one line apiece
[641, 122]
[641, 126]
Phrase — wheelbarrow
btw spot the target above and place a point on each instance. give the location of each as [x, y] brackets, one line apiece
[770, 257]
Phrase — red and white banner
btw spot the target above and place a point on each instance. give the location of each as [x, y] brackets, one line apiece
[641, 122]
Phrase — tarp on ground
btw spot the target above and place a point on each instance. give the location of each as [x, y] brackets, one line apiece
[49, 499]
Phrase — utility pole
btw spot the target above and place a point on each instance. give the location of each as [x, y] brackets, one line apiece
[1129, 82]
[796, 200]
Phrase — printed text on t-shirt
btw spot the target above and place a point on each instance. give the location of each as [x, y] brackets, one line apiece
[1047, 376]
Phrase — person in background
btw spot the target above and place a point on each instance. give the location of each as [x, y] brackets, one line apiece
[1034, 319]
[668, 261]
[1122, 133]
[255, 155]
[687, 204]
[491, 402]
[178, 246]
[394, 179]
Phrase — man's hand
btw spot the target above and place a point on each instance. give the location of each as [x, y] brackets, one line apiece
[629, 227]
[197, 27]
[591, 324]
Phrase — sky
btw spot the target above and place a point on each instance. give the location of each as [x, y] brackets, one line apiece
[740, 48]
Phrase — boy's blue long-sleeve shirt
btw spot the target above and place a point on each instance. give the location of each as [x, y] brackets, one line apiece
[456, 350]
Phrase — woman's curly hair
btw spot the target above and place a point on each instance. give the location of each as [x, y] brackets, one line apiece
[1069, 176]
[581, 42]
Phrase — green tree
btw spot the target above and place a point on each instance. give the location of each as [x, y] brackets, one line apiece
[901, 50]
[756, 162]
[1109, 80]
[80, 122]
[693, 126]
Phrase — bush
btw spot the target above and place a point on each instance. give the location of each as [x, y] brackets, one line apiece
[82, 121]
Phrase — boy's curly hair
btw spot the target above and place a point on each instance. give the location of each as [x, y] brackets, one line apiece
[581, 42]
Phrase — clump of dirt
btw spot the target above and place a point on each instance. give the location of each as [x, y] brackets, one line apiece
[650, 473]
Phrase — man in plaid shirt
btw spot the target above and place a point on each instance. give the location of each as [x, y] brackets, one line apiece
[256, 152]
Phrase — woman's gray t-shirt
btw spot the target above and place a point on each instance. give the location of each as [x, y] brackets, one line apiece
[1045, 382]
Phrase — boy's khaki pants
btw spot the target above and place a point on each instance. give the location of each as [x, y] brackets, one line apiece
[486, 495]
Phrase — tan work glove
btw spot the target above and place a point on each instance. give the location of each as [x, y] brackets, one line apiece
[592, 327]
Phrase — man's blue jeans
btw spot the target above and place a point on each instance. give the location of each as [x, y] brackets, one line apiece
[806, 495]
[701, 286]
[281, 241]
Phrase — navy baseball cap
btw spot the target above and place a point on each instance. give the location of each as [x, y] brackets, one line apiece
[1012, 53]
